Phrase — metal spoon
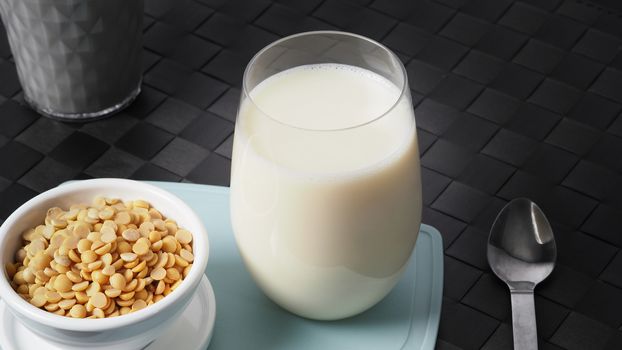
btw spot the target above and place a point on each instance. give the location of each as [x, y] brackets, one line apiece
[522, 253]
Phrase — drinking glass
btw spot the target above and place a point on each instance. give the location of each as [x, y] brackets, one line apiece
[77, 60]
[325, 180]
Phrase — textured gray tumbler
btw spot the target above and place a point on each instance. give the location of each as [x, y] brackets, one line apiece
[76, 59]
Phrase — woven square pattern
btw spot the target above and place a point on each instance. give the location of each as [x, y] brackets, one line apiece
[512, 99]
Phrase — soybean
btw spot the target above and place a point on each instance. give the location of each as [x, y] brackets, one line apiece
[104, 260]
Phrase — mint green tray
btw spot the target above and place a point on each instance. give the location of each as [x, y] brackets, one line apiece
[245, 319]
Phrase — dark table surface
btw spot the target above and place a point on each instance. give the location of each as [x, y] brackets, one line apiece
[512, 98]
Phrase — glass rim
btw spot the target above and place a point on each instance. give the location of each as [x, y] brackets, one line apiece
[251, 63]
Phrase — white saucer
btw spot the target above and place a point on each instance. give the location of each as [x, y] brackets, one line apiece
[192, 331]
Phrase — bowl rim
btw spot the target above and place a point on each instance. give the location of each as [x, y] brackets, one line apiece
[200, 241]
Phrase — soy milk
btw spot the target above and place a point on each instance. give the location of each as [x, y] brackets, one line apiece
[326, 192]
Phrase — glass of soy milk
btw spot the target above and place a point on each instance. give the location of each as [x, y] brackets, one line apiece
[325, 179]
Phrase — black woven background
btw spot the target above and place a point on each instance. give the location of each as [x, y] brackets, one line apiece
[512, 98]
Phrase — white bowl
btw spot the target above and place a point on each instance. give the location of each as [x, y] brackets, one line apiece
[128, 332]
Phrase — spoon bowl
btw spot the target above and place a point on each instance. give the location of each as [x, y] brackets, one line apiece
[521, 246]
[522, 253]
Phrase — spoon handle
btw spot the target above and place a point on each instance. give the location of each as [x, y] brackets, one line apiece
[524, 320]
